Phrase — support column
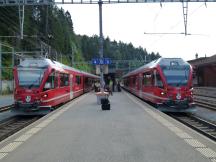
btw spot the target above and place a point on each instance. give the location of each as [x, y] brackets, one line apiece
[0, 68]
[185, 14]
[21, 19]
[101, 43]
[13, 60]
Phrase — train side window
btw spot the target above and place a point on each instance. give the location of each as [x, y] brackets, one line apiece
[134, 80]
[147, 79]
[78, 79]
[87, 81]
[56, 80]
[51, 81]
[64, 79]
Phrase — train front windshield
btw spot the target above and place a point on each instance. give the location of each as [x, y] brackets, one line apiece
[30, 77]
[176, 76]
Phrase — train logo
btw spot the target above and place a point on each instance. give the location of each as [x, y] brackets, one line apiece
[178, 96]
[28, 98]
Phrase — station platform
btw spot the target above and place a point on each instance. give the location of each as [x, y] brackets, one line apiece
[6, 100]
[132, 131]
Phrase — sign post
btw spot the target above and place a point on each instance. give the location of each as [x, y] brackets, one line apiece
[100, 2]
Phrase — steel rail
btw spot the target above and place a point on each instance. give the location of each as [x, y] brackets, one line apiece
[6, 108]
[205, 105]
[200, 125]
[205, 96]
[14, 124]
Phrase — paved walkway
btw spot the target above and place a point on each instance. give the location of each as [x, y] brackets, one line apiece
[130, 132]
[6, 100]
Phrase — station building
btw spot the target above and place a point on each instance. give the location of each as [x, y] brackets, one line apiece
[204, 71]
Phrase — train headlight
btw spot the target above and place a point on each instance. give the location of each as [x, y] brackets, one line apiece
[45, 96]
[162, 93]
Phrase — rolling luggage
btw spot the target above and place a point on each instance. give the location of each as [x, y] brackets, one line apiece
[105, 104]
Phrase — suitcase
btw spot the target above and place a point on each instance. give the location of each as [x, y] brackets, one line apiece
[105, 104]
[105, 107]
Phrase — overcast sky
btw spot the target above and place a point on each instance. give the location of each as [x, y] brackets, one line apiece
[129, 22]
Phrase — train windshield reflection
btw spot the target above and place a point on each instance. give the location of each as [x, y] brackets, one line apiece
[30, 77]
[176, 77]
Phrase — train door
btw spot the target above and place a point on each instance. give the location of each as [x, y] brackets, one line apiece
[158, 87]
[140, 85]
[148, 86]
[71, 86]
[134, 84]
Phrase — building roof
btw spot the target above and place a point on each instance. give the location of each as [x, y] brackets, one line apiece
[203, 61]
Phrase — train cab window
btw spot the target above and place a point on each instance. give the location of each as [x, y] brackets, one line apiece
[64, 79]
[52, 81]
[158, 80]
[147, 79]
[78, 79]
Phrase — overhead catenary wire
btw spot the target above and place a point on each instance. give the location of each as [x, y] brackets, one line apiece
[162, 34]
[14, 27]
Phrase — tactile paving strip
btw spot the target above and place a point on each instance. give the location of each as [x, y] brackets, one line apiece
[209, 153]
[195, 143]
[183, 135]
[23, 137]
[33, 131]
[2, 155]
[10, 147]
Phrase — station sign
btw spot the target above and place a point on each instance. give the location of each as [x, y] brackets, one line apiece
[101, 61]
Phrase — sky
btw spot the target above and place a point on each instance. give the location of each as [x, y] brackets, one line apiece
[141, 24]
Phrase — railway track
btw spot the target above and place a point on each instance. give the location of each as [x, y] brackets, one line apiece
[204, 127]
[205, 97]
[14, 124]
[6, 108]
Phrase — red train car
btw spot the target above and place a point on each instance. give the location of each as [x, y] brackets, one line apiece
[41, 84]
[165, 82]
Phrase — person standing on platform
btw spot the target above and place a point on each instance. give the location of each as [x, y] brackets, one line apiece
[111, 87]
[97, 87]
[118, 86]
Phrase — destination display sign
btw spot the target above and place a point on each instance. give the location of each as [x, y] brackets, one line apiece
[101, 61]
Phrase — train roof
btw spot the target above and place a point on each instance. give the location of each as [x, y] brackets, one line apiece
[161, 62]
[44, 62]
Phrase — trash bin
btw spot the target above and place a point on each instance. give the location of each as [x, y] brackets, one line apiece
[105, 104]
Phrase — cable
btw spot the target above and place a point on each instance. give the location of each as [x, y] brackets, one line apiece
[174, 26]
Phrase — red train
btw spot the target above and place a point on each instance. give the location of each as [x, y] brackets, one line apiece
[41, 84]
[165, 82]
